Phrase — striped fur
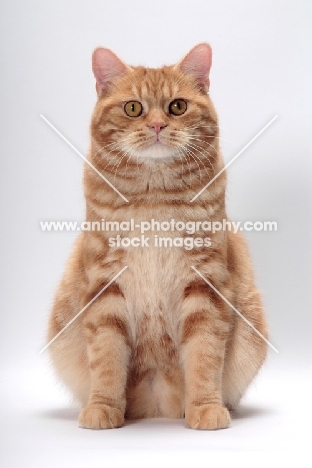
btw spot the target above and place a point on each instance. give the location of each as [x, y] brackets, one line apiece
[158, 342]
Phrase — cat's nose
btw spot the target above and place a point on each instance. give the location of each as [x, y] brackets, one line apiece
[157, 126]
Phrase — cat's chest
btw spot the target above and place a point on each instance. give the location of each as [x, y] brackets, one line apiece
[155, 273]
[153, 286]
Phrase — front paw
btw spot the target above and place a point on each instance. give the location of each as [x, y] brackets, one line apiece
[208, 417]
[100, 417]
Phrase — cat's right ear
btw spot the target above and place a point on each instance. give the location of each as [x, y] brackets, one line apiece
[106, 67]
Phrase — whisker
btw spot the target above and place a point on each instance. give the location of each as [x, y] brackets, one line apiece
[182, 174]
[110, 162]
[208, 126]
[193, 153]
[104, 147]
[182, 157]
[189, 152]
[212, 136]
[130, 156]
[122, 157]
[117, 145]
[204, 149]
[124, 154]
[189, 168]
[203, 154]
[203, 141]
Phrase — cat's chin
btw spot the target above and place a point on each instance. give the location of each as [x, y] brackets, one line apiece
[156, 153]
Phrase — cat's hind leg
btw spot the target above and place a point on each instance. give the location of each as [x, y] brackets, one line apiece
[246, 350]
[67, 348]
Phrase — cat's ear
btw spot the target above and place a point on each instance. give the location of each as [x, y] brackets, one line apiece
[106, 67]
[197, 63]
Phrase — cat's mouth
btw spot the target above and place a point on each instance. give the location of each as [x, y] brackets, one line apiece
[157, 150]
[157, 143]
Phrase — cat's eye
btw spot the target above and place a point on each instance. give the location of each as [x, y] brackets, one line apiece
[177, 107]
[133, 108]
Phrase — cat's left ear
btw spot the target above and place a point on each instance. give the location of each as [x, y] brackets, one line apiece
[106, 67]
[197, 63]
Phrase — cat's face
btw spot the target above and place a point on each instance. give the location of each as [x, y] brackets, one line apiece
[155, 115]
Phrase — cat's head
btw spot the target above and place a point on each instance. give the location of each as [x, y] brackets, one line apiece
[155, 115]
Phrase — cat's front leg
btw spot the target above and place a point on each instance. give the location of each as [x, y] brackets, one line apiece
[107, 336]
[204, 331]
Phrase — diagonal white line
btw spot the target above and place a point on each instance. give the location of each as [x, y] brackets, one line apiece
[83, 157]
[235, 157]
[82, 310]
[235, 310]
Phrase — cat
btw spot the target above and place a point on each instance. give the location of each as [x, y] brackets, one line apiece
[158, 341]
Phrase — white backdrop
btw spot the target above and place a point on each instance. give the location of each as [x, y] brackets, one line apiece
[261, 67]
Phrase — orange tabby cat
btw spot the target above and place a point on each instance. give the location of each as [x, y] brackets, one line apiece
[158, 342]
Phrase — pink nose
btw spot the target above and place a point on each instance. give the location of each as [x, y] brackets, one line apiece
[157, 126]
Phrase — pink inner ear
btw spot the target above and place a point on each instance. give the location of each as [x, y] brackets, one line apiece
[197, 63]
[106, 66]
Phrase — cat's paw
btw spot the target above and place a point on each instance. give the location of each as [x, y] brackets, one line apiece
[208, 417]
[100, 417]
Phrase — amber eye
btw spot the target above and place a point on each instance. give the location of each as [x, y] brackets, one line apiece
[177, 107]
[133, 108]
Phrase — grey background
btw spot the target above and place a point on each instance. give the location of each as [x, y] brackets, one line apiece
[261, 67]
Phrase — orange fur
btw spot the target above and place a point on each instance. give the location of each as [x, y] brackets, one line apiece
[158, 341]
